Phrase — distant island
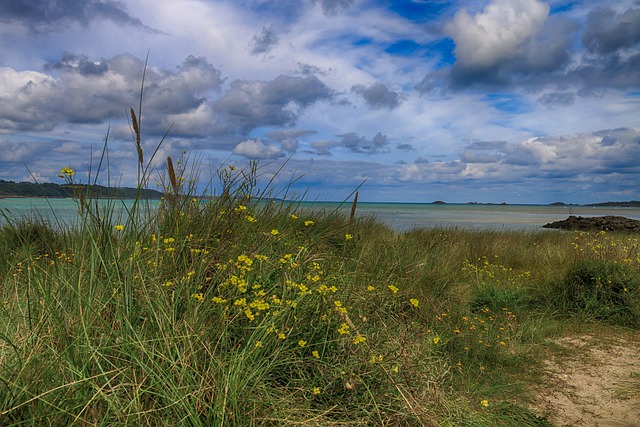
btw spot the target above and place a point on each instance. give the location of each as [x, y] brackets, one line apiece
[29, 189]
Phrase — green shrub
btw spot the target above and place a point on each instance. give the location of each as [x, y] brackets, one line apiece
[602, 289]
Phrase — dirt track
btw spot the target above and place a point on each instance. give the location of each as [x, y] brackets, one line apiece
[592, 381]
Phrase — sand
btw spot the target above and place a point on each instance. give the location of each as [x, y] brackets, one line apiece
[592, 381]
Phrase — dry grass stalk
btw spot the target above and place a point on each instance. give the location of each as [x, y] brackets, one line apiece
[172, 176]
[353, 208]
[136, 130]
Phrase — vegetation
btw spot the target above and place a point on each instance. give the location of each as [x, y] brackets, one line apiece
[28, 189]
[240, 310]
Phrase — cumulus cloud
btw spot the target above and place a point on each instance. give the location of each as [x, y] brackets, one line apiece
[87, 91]
[289, 139]
[359, 144]
[252, 104]
[378, 95]
[497, 33]
[264, 42]
[255, 149]
[603, 152]
[594, 164]
[72, 63]
[516, 45]
[41, 15]
[609, 32]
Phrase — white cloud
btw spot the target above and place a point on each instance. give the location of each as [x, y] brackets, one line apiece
[497, 33]
[255, 149]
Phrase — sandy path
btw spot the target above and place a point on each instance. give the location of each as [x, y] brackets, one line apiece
[593, 382]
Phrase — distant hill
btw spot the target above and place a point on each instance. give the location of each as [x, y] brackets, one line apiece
[629, 204]
[28, 189]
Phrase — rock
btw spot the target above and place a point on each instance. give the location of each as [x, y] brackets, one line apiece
[598, 223]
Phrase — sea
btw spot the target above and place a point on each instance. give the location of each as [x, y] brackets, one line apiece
[400, 217]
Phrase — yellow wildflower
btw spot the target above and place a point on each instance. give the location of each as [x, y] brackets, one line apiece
[393, 289]
[119, 227]
[274, 232]
[316, 390]
[315, 354]
[414, 302]
[348, 236]
[359, 339]
[308, 223]
[484, 403]
[302, 343]
[66, 172]
[344, 329]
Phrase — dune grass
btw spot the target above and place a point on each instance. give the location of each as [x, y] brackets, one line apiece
[242, 309]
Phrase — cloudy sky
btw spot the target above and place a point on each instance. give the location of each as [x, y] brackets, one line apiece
[517, 101]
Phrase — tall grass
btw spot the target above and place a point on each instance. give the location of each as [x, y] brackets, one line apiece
[242, 309]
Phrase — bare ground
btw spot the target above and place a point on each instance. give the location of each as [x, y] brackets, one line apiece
[592, 380]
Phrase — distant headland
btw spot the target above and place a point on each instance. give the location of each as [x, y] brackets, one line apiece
[629, 204]
[29, 189]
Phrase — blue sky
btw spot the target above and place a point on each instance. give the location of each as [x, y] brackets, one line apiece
[517, 101]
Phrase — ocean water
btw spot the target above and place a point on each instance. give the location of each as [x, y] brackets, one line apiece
[399, 216]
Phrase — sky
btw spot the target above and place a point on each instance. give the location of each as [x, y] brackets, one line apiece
[490, 101]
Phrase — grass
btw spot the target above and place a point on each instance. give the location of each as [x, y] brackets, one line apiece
[245, 310]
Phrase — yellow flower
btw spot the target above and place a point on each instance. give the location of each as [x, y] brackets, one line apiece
[274, 232]
[393, 289]
[371, 288]
[414, 302]
[436, 340]
[316, 390]
[294, 216]
[198, 296]
[316, 354]
[302, 343]
[119, 227]
[66, 172]
[484, 403]
[308, 223]
[258, 344]
[359, 339]
[251, 219]
[344, 329]
[375, 359]
[348, 236]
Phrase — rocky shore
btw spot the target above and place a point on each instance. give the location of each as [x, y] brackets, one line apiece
[598, 223]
